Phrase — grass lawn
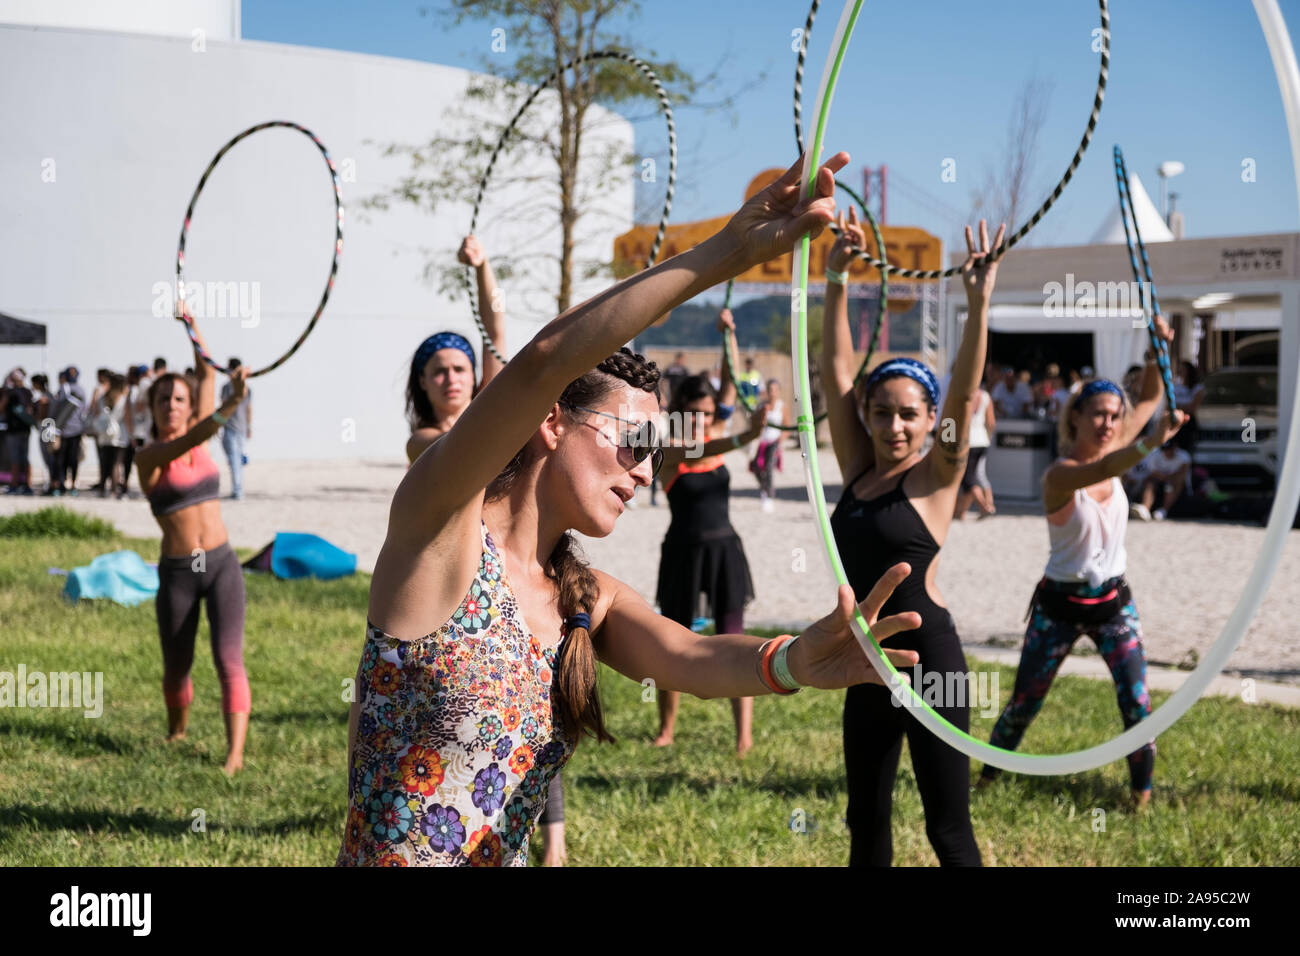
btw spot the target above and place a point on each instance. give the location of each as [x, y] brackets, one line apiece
[110, 791]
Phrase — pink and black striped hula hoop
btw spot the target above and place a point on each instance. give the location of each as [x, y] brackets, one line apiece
[334, 263]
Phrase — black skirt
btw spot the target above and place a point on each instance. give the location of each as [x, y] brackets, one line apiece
[713, 564]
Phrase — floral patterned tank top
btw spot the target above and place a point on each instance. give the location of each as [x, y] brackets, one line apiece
[457, 738]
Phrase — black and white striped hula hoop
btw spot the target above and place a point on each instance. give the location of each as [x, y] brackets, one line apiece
[665, 106]
[997, 253]
[334, 263]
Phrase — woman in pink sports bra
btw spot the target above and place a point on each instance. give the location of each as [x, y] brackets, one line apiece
[478, 672]
[1083, 590]
[197, 563]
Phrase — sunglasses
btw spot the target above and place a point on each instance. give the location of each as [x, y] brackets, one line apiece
[640, 438]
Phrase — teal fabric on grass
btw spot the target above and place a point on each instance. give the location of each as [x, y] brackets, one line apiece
[122, 577]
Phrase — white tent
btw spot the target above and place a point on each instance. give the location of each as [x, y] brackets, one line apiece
[1150, 224]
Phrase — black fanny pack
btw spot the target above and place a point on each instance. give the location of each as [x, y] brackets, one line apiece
[1080, 609]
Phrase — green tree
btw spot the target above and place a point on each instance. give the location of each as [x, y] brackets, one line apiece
[525, 42]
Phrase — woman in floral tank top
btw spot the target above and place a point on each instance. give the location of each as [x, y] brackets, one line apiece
[478, 674]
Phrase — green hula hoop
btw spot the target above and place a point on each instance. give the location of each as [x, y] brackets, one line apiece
[1284, 504]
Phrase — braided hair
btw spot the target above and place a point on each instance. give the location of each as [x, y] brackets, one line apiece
[575, 669]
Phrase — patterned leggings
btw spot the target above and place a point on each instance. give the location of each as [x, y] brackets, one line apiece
[1047, 642]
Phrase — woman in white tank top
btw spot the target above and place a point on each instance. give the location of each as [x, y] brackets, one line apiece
[1083, 588]
[975, 488]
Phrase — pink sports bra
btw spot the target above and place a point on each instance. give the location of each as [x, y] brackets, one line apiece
[184, 483]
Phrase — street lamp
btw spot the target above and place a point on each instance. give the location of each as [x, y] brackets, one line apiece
[1167, 170]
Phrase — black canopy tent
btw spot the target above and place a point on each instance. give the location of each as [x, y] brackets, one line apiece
[15, 331]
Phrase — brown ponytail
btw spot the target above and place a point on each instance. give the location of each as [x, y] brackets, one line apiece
[575, 669]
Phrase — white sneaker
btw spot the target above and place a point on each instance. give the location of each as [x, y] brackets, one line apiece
[1158, 514]
[1140, 512]
[769, 505]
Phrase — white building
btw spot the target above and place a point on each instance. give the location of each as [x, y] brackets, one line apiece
[113, 108]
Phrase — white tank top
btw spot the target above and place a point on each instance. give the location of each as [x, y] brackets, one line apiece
[1090, 545]
[774, 415]
[979, 435]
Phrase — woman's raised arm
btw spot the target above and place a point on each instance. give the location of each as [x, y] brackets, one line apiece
[1153, 387]
[490, 314]
[852, 444]
[948, 456]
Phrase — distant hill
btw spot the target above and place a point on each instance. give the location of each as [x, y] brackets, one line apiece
[765, 324]
[693, 324]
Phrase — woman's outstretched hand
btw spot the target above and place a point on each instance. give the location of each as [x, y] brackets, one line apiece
[770, 223]
[1169, 426]
[977, 273]
[852, 238]
[827, 654]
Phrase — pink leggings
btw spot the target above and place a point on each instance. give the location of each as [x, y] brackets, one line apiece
[219, 581]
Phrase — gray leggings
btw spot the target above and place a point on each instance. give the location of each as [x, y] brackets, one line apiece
[182, 582]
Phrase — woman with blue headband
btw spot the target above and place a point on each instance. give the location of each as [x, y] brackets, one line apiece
[478, 673]
[897, 505]
[440, 383]
[1083, 590]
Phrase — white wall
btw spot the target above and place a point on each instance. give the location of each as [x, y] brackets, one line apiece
[106, 136]
[217, 19]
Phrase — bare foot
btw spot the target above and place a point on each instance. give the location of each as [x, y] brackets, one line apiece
[1139, 800]
[984, 782]
[234, 764]
[665, 739]
[743, 747]
[175, 736]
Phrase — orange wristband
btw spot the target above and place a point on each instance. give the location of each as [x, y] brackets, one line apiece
[769, 652]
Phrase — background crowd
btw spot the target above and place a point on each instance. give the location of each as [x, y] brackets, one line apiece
[114, 420]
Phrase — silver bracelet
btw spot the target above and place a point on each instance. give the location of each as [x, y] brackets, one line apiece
[781, 668]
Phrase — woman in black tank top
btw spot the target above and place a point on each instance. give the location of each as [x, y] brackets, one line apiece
[702, 556]
[897, 504]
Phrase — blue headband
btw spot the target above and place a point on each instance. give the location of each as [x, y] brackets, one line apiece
[911, 368]
[1097, 386]
[443, 340]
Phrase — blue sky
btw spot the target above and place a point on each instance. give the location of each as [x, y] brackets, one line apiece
[928, 80]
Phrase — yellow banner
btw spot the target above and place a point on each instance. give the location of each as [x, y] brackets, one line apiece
[907, 246]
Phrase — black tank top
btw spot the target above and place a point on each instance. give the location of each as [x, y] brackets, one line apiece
[697, 497]
[875, 535]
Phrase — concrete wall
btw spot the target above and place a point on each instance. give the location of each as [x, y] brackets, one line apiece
[106, 135]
